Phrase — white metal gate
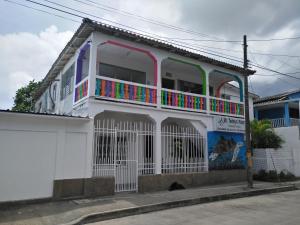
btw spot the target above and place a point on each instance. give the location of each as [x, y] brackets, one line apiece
[183, 150]
[123, 150]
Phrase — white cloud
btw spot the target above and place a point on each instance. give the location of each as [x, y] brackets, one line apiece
[26, 56]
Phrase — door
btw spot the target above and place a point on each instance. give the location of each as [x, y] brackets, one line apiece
[126, 166]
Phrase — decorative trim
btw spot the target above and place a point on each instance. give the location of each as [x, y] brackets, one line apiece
[148, 53]
[201, 70]
[237, 79]
[79, 62]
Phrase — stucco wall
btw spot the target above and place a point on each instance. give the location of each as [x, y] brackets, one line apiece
[37, 150]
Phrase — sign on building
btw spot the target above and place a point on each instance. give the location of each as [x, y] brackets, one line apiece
[229, 124]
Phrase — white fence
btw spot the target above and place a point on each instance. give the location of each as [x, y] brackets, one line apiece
[280, 122]
[183, 150]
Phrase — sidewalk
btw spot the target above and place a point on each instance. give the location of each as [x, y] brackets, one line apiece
[83, 210]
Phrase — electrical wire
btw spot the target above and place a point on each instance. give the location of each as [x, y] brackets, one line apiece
[40, 10]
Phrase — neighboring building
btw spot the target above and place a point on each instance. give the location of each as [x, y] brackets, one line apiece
[282, 109]
[283, 112]
[159, 113]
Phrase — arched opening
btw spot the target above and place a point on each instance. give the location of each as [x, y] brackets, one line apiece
[125, 73]
[183, 85]
[183, 76]
[222, 85]
[123, 147]
[183, 147]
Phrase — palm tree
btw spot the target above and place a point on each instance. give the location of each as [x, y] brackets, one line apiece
[264, 136]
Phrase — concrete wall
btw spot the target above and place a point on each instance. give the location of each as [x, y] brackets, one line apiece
[36, 150]
[285, 158]
[163, 181]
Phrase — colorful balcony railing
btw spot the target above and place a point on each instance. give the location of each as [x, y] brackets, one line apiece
[81, 90]
[182, 100]
[113, 89]
[226, 107]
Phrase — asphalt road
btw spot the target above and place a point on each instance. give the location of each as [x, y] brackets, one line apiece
[274, 209]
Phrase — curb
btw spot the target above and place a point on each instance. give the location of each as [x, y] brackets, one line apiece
[114, 214]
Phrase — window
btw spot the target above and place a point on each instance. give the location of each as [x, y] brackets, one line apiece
[122, 73]
[225, 96]
[168, 83]
[54, 92]
[190, 87]
[67, 83]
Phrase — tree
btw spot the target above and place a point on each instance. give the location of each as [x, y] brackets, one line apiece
[264, 136]
[23, 100]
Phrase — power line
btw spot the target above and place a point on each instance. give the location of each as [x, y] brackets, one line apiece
[276, 39]
[70, 13]
[277, 72]
[146, 19]
[40, 10]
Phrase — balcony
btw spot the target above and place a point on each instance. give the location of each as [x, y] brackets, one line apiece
[127, 74]
[125, 91]
[173, 99]
[117, 90]
[282, 122]
[226, 107]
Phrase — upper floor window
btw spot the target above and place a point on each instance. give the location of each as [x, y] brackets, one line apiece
[122, 73]
[54, 92]
[190, 87]
[67, 80]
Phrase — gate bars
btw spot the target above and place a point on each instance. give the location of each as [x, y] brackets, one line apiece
[183, 150]
[125, 150]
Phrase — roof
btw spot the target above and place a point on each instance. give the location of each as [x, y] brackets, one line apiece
[42, 114]
[276, 98]
[254, 96]
[88, 26]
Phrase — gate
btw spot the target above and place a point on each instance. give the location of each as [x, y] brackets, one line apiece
[117, 148]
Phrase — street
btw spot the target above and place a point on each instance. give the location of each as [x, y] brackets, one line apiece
[274, 209]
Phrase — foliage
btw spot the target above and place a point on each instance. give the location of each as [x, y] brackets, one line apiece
[273, 176]
[264, 136]
[23, 100]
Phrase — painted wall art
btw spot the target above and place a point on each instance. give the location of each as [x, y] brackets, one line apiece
[226, 150]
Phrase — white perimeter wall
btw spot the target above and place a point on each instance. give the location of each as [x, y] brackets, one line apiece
[36, 150]
[285, 158]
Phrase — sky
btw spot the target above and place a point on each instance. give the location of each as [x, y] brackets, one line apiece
[31, 40]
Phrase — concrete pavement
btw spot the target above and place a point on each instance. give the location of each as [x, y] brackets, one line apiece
[274, 209]
[87, 210]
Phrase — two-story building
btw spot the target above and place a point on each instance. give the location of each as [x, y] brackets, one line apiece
[158, 110]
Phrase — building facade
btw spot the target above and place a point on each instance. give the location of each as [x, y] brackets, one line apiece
[281, 109]
[158, 110]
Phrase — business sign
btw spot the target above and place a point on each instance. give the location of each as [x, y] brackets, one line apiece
[229, 124]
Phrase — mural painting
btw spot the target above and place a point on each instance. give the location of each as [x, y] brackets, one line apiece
[226, 150]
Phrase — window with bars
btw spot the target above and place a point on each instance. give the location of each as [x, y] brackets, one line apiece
[67, 82]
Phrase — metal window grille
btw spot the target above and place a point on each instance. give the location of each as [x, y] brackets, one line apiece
[183, 150]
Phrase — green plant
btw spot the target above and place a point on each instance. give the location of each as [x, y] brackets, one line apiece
[264, 136]
[272, 176]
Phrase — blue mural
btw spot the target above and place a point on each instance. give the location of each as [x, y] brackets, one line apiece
[226, 150]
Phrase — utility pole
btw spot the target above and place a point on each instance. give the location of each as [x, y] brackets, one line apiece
[247, 119]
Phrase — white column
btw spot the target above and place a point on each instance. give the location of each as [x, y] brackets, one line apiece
[207, 91]
[158, 95]
[92, 66]
[158, 146]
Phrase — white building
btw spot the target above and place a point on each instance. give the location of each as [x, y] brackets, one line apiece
[160, 114]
